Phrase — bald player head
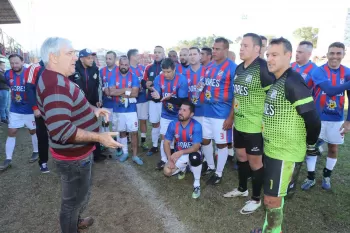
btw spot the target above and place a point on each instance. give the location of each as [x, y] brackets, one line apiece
[231, 55]
[184, 57]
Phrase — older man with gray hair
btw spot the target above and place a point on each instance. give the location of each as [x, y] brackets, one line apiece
[73, 129]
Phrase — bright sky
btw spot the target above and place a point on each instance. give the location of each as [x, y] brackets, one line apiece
[122, 25]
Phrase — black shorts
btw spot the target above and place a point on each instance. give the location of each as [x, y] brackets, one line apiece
[252, 142]
[279, 176]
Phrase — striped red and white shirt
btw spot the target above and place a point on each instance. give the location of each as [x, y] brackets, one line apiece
[65, 109]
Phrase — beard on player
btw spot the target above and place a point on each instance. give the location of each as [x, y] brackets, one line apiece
[182, 117]
[123, 70]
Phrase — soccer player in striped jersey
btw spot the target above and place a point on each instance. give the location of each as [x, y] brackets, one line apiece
[217, 122]
[187, 133]
[195, 77]
[171, 89]
[142, 103]
[172, 54]
[330, 81]
[302, 63]
[21, 112]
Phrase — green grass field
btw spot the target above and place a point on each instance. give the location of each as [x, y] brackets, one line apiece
[121, 199]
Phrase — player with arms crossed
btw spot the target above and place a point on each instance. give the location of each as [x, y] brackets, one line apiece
[217, 122]
[291, 126]
[171, 89]
[187, 133]
[252, 81]
[126, 90]
[331, 80]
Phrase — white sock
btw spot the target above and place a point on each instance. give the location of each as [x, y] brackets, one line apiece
[143, 135]
[155, 136]
[10, 146]
[35, 143]
[208, 154]
[330, 163]
[222, 158]
[230, 152]
[196, 175]
[311, 163]
[124, 142]
[164, 158]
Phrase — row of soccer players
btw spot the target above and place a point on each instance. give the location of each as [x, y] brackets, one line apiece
[287, 112]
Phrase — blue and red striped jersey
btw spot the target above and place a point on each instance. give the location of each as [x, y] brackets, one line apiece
[219, 89]
[210, 64]
[138, 71]
[108, 80]
[186, 136]
[180, 69]
[128, 81]
[330, 108]
[177, 86]
[19, 99]
[196, 97]
[305, 71]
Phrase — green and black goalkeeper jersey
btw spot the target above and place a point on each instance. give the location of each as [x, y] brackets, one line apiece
[250, 86]
[284, 130]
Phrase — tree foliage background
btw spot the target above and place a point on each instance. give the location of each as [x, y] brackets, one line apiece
[307, 33]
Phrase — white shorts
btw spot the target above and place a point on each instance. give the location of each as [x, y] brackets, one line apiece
[164, 123]
[155, 111]
[126, 122]
[142, 111]
[330, 132]
[212, 129]
[199, 119]
[17, 121]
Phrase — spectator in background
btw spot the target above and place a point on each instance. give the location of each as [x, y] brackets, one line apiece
[72, 126]
[173, 56]
[4, 95]
[263, 47]
[206, 55]
[87, 77]
[232, 56]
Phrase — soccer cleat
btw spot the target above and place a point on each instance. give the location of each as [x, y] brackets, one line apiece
[214, 180]
[35, 157]
[181, 175]
[250, 207]
[237, 193]
[160, 165]
[137, 160]
[208, 171]
[119, 152]
[44, 168]
[6, 164]
[123, 158]
[144, 146]
[307, 184]
[196, 192]
[152, 151]
[326, 183]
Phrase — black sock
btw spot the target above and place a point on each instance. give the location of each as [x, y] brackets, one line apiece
[327, 173]
[243, 174]
[257, 180]
[143, 139]
[311, 175]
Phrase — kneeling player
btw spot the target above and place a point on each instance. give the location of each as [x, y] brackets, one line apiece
[188, 136]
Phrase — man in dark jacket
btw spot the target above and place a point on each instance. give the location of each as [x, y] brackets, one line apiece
[4, 94]
[32, 75]
[87, 78]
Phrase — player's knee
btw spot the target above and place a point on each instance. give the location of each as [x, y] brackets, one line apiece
[241, 154]
[32, 132]
[332, 151]
[272, 202]
[205, 142]
[195, 159]
[167, 170]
